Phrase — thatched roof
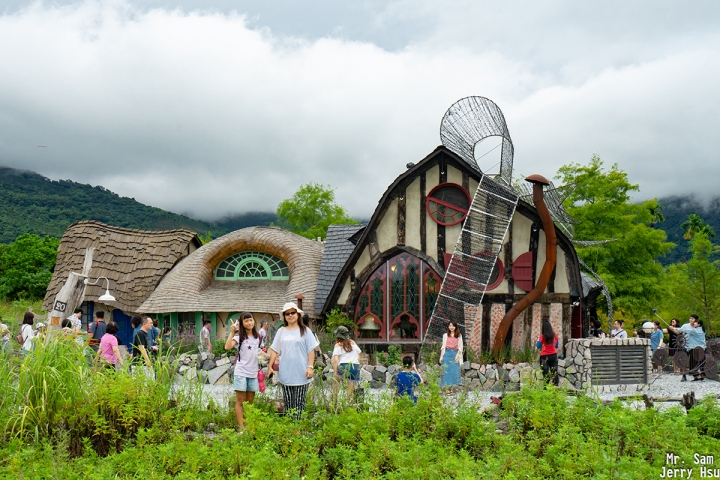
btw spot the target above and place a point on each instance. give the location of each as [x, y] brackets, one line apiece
[133, 260]
[191, 285]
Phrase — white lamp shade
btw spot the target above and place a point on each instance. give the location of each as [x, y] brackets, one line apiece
[106, 297]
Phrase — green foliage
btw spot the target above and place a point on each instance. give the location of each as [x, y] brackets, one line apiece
[311, 210]
[695, 225]
[26, 266]
[694, 286]
[394, 356]
[11, 312]
[336, 318]
[34, 204]
[629, 266]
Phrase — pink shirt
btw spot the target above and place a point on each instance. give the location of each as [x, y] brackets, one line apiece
[107, 342]
[451, 343]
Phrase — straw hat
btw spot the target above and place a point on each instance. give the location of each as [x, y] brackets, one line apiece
[291, 306]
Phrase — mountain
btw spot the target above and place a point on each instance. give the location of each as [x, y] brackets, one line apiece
[242, 220]
[31, 203]
[676, 210]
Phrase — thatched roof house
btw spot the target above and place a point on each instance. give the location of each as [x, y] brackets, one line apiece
[133, 260]
[255, 269]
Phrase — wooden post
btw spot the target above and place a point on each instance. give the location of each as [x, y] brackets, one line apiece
[72, 292]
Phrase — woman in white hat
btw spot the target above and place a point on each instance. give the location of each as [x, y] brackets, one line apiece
[295, 344]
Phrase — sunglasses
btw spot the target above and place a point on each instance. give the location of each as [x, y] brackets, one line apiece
[287, 314]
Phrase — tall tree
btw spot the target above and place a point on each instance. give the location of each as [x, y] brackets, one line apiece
[26, 266]
[629, 264]
[694, 287]
[695, 225]
[311, 210]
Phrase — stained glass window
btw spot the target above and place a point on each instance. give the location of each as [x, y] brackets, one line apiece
[252, 265]
[403, 286]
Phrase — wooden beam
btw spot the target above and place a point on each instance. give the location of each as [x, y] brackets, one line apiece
[441, 228]
[72, 293]
[401, 218]
[423, 214]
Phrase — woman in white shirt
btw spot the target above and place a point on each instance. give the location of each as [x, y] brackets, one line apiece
[345, 360]
[26, 330]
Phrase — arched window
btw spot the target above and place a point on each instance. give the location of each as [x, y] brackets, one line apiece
[396, 301]
[252, 266]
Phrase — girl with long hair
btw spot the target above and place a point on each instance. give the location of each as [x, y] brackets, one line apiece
[244, 337]
[295, 344]
[26, 331]
[345, 360]
[548, 345]
[451, 356]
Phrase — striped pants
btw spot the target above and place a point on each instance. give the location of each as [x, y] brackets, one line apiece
[294, 397]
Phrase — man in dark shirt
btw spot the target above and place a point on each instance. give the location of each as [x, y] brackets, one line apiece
[97, 329]
[141, 344]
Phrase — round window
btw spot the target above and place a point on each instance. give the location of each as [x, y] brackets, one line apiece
[448, 204]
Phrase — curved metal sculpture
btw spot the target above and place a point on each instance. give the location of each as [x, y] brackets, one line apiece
[538, 182]
[469, 121]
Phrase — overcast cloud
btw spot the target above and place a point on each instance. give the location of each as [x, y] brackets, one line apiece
[210, 111]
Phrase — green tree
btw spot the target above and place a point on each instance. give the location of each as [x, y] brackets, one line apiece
[629, 264]
[311, 210]
[694, 287]
[26, 266]
[695, 225]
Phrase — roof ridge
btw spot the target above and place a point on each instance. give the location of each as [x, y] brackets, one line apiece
[128, 230]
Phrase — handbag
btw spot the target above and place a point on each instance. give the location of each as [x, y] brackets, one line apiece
[276, 365]
[261, 380]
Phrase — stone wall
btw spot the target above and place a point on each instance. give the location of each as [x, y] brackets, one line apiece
[206, 368]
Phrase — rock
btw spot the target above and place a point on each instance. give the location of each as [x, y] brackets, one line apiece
[587, 354]
[570, 369]
[472, 374]
[203, 374]
[194, 357]
[376, 384]
[365, 376]
[526, 374]
[379, 376]
[388, 377]
[183, 369]
[381, 368]
[488, 384]
[208, 365]
[508, 366]
[215, 374]
[392, 369]
[191, 374]
[369, 368]
[561, 371]
[222, 361]
[223, 380]
[536, 365]
[497, 387]
[210, 356]
[482, 378]
[512, 387]
[514, 375]
[203, 356]
[503, 375]
[475, 366]
[465, 366]
[475, 384]
[482, 369]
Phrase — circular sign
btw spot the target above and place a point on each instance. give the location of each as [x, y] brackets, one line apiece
[448, 204]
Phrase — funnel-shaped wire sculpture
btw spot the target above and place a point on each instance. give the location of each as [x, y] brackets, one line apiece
[469, 121]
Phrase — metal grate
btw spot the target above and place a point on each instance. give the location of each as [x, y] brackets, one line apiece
[618, 364]
[475, 257]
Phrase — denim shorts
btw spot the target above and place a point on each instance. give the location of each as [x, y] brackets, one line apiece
[349, 371]
[245, 384]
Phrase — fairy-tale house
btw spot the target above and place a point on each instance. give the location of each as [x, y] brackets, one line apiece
[134, 262]
[393, 267]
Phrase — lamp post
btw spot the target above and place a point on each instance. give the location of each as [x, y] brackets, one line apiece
[105, 297]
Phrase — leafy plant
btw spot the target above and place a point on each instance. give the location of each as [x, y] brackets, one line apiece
[311, 210]
[394, 356]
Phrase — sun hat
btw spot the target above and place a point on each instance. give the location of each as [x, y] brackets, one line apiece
[342, 333]
[40, 325]
[291, 306]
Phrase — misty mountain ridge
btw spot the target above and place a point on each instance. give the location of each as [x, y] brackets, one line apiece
[32, 203]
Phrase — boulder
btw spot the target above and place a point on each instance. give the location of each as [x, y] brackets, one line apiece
[376, 384]
[482, 378]
[379, 376]
[514, 375]
[475, 366]
[203, 374]
[208, 365]
[392, 369]
[210, 356]
[472, 374]
[191, 374]
[183, 369]
[381, 368]
[365, 376]
[203, 356]
[222, 361]
[475, 384]
[369, 368]
[465, 366]
[215, 374]
[223, 380]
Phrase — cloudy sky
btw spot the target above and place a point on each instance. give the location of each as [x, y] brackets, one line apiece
[227, 109]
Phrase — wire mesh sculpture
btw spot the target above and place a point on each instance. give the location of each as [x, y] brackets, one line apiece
[469, 121]
[474, 258]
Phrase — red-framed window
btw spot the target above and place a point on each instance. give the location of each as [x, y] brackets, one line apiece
[448, 204]
[396, 301]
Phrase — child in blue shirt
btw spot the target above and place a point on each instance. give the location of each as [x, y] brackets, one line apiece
[408, 379]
